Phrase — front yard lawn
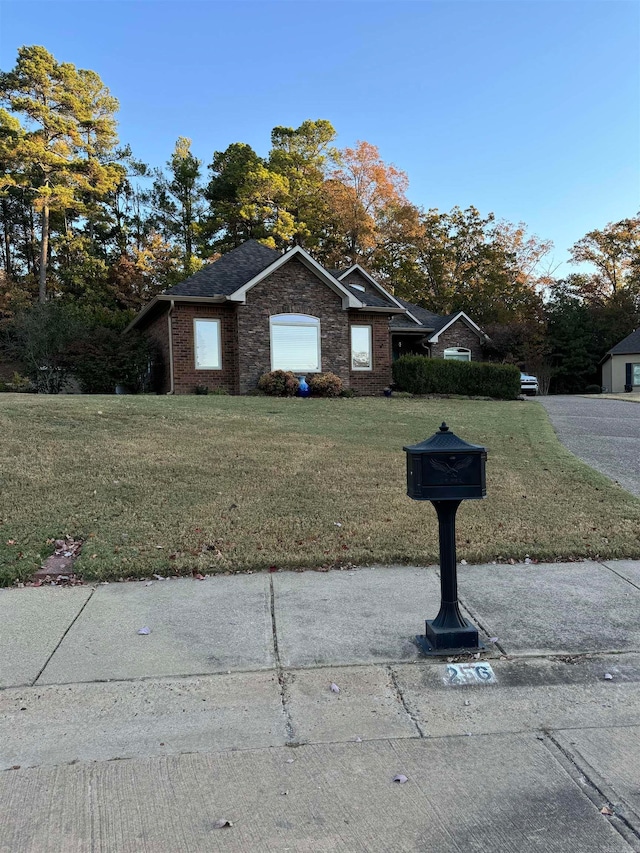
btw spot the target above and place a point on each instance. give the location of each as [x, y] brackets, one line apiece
[181, 484]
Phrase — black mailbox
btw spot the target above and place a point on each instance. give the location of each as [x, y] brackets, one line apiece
[446, 470]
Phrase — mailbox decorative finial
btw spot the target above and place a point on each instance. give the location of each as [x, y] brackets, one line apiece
[444, 427]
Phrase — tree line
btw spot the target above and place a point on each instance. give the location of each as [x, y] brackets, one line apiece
[90, 228]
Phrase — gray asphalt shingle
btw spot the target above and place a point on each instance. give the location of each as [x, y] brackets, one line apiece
[228, 273]
[630, 344]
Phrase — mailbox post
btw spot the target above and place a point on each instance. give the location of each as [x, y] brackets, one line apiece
[446, 470]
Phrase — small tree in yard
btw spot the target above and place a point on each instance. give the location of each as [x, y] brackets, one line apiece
[41, 339]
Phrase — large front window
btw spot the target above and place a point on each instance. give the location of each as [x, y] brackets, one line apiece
[206, 335]
[635, 376]
[295, 343]
[361, 348]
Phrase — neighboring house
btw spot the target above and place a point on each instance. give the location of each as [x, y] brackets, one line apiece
[256, 310]
[621, 365]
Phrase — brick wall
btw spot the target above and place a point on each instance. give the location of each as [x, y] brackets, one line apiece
[376, 380]
[458, 335]
[185, 375]
[158, 330]
[291, 289]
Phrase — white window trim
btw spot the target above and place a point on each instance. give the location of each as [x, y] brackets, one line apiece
[362, 326]
[458, 351]
[314, 324]
[195, 344]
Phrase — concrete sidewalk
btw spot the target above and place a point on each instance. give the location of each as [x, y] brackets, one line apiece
[225, 711]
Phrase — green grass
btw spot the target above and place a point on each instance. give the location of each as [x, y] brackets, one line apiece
[175, 484]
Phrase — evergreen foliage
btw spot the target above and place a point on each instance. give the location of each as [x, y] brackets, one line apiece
[419, 374]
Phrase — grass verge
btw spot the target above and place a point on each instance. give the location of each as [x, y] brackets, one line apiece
[181, 484]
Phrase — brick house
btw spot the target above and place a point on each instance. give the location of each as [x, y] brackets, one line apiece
[256, 310]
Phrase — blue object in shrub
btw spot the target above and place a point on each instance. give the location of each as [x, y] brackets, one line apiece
[303, 388]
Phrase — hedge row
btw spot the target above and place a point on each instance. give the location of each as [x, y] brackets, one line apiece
[420, 374]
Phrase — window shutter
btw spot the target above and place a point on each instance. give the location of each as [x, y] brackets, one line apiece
[628, 383]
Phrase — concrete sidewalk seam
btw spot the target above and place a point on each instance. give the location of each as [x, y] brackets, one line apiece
[595, 788]
[563, 657]
[69, 627]
[622, 577]
[403, 701]
[282, 677]
[477, 621]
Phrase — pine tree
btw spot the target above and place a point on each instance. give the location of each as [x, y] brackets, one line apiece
[62, 151]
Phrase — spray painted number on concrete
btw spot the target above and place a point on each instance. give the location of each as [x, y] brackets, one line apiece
[457, 674]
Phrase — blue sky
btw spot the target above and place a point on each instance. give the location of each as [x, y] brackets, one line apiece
[527, 108]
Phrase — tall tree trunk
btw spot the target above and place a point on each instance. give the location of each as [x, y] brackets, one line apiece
[7, 239]
[30, 237]
[44, 247]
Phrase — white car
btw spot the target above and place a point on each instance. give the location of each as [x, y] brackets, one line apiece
[528, 384]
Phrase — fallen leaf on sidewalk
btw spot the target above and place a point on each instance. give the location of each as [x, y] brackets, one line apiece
[222, 823]
[400, 778]
[606, 810]
[144, 630]
[335, 688]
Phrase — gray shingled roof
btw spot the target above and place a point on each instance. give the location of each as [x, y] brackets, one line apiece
[427, 319]
[630, 344]
[368, 298]
[228, 273]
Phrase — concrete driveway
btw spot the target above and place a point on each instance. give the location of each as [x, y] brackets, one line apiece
[603, 433]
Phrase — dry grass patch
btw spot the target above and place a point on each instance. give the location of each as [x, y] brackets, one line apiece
[181, 484]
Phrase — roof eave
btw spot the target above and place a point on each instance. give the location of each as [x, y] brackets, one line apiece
[382, 309]
[166, 297]
[423, 330]
[459, 316]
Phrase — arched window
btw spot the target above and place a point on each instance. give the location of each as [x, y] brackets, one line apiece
[458, 353]
[295, 343]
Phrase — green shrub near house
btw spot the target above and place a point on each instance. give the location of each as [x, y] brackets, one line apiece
[325, 385]
[278, 383]
[420, 374]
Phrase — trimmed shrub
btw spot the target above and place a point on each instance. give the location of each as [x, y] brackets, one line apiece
[593, 389]
[420, 374]
[325, 385]
[58, 342]
[278, 383]
[102, 358]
